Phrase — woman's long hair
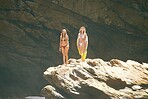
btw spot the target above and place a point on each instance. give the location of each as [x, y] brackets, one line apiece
[82, 27]
[62, 34]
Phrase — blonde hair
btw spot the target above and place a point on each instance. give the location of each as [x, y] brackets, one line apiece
[64, 30]
[82, 27]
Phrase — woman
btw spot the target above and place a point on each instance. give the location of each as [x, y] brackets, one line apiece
[82, 43]
[64, 45]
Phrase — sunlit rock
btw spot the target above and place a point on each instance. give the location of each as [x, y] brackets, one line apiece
[98, 79]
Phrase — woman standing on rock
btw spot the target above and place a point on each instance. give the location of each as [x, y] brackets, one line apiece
[82, 43]
[64, 45]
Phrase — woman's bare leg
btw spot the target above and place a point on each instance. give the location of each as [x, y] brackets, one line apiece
[66, 54]
[80, 49]
[84, 51]
[63, 54]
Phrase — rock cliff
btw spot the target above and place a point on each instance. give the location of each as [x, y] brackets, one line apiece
[30, 30]
[97, 79]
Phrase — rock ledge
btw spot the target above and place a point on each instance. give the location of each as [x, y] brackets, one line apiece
[97, 79]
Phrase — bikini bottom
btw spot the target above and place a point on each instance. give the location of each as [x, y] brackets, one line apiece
[64, 46]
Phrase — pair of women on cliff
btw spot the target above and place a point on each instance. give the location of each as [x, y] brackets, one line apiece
[82, 44]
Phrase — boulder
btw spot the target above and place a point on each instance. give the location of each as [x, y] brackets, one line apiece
[97, 79]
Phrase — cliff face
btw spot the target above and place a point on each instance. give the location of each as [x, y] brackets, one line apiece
[97, 79]
[30, 30]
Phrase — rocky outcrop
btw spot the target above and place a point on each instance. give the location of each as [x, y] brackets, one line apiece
[97, 79]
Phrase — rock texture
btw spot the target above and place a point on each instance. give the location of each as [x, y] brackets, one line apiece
[30, 30]
[97, 79]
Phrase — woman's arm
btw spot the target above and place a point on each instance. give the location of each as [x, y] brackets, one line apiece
[78, 40]
[86, 40]
[85, 37]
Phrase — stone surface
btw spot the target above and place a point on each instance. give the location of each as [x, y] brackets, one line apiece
[30, 30]
[97, 79]
[136, 87]
[34, 97]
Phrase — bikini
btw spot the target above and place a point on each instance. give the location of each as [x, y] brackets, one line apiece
[82, 36]
[66, 44]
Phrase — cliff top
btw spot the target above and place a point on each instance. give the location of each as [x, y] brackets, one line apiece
[97, 79]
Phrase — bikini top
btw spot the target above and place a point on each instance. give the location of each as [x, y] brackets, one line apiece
[82, 36]
[64, 39]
